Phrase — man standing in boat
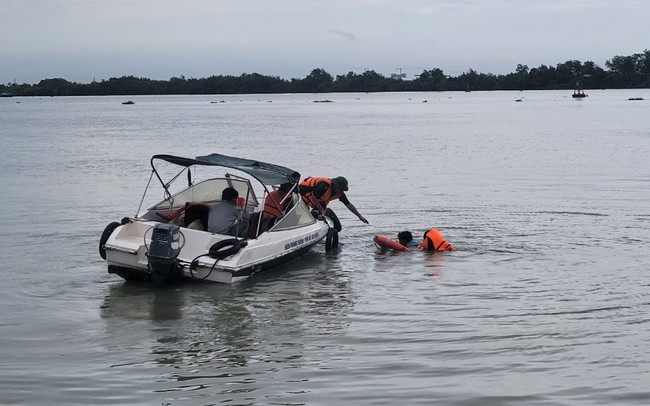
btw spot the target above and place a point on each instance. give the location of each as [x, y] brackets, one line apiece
[318, 192]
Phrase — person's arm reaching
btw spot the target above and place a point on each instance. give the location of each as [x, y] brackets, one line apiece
[353, 209]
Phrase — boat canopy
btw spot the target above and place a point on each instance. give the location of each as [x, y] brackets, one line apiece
[266, 173]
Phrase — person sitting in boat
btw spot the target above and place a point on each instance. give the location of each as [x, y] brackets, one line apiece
[406, 239]
[278, 201]
[318, 192]
[226, 218]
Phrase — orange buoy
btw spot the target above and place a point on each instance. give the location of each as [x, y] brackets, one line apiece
[385, 242]
[434, 241]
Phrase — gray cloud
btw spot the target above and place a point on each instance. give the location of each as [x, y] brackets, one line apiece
[346, 35]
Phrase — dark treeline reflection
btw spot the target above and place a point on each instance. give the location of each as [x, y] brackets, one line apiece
[621, 72]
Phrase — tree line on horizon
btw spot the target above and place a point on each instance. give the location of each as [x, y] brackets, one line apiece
[622, 72]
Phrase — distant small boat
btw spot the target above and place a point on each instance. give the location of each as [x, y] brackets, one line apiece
[128, 102]
[635, 98]
[578, 93]
[518, 100]
[6, 94]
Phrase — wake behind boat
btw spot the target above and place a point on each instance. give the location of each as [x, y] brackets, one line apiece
[170, 241]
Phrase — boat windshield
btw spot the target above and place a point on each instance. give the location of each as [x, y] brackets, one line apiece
[298, 216]
[209, 191]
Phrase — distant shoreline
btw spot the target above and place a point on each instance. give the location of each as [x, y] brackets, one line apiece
[623, 72]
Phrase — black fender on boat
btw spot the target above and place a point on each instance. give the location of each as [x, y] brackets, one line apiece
[226, 248]
[107, 233]
[332, 239]
[332, 216]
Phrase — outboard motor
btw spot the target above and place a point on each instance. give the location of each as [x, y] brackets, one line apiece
[163, 254]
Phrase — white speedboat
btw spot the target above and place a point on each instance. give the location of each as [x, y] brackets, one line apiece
[169, 241]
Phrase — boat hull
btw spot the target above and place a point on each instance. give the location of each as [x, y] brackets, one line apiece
[128, 245]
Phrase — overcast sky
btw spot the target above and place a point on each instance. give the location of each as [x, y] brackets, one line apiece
[82, 40]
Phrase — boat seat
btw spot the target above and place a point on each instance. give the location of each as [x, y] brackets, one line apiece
[267, 223]
[196, 211]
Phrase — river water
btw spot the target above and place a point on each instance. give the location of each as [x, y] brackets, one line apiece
[544, 303]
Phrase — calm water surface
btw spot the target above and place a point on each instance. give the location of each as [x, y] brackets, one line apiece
[544, 303]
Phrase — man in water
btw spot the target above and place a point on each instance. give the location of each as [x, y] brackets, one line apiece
[406, 239]
[432, 241]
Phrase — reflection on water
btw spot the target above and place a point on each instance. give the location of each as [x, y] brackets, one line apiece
[215, 335]
[137, 301]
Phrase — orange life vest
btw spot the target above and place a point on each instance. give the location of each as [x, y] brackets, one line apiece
[307, 190]
[272, 205]
[434, 241]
